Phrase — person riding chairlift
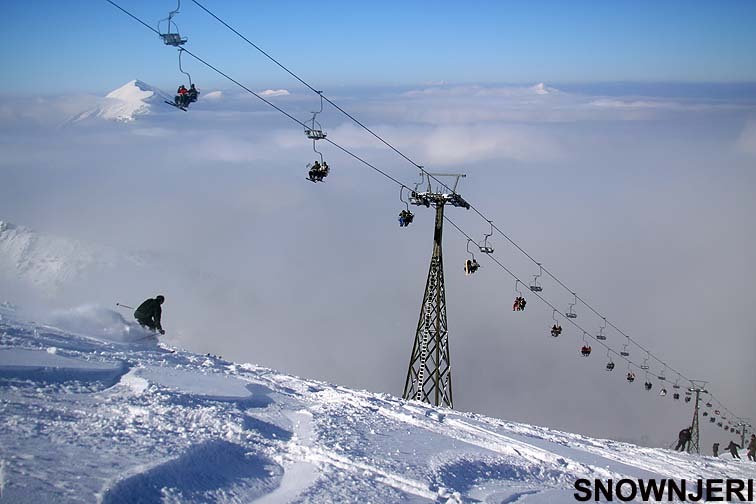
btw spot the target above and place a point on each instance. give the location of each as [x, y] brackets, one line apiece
[631, 377]
[519, 304]
[180, 98]
[471, 266]
[556, 330]
[405, 218]
[586, 350]
[318, 172]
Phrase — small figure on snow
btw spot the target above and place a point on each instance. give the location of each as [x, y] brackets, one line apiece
[733, 448]
[715, 449]
[683, 438]
[752, 448]
[149, 313]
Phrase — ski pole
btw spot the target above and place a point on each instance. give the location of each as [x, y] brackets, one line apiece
[124, 306]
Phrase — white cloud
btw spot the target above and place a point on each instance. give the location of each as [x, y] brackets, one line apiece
[213, 95]
[268, 93]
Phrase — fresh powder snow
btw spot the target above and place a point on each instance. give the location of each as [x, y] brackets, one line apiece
[95, 409]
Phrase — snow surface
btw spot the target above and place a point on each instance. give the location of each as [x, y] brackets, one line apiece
[99, 413]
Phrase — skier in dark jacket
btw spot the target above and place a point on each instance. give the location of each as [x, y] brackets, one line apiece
[733, 447]
[752, 448]
[148, 314]
[715, 449]
[683, 438]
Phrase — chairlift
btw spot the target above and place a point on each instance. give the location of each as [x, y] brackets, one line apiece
[556, 329]
[648, 385]
[571, 314]
[712, 420]
[601, 336]
[705, 413]
[585, 351]
[171, 38]
[405, 216]
[645, 365]
[662, 376]
[663, 392]
[486, 248]
[624, 352]
[630, 377]
[317, 171]
[676, 396]
[315, 130]
[535, 286]
[610, 366]
[471, 265]
[519, 302]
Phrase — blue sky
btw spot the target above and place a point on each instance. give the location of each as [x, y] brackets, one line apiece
[93, 47]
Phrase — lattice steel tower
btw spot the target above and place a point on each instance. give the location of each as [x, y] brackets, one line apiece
[697, 387]
[429, 374]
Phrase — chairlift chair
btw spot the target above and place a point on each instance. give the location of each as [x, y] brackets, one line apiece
[600, 336]
[624, 352]
[571, 314]
[315, 130]
[486, 248]
[405, 216]
[663, 392]
[535, 286]
[171, 38]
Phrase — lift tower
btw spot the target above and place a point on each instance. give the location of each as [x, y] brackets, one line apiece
[429, 373]
[697, 387]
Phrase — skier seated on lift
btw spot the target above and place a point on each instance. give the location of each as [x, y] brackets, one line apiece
[471, 266]
[609, 366]
[405, 218]
[631, 377]
[149, 313]
[180, 98]
[318, 172]
[648, 385]
[556, 330]
[519, 304]
[191, 95]
[586, 350]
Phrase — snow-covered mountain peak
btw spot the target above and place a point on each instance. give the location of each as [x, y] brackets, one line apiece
[542, 89]
[133, 99]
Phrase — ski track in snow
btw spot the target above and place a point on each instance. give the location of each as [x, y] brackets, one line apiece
[114, 418]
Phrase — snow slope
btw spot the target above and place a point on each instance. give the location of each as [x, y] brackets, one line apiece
[103, 412]
[125, 104]
[47, 263]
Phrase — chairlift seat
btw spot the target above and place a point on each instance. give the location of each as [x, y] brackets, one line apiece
[644, 366]
[570, 315]
[315, 134]
[536, 288]
[625, 354]
[600, 337]
[173, 39]
[486, 250]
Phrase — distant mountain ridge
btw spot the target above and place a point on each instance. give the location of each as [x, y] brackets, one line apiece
[48, 263]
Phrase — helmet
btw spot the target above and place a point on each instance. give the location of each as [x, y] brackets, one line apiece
[160, 298]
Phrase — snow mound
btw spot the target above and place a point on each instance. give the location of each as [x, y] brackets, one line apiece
[100, 323]
[125, 104]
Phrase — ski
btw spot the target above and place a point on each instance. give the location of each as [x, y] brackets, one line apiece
[174, 105]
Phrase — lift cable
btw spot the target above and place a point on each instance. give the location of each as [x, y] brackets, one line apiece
[421, 167]
[396, 181]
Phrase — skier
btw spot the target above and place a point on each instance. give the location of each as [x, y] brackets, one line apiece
[556, 330]
[733, 447]
[683, 438]
[191, 95]
[715, 449]
[752, 448]
[148, 314]
[180, 98]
